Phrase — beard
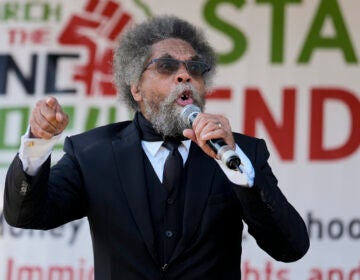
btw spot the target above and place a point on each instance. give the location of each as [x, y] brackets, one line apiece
[165, 115]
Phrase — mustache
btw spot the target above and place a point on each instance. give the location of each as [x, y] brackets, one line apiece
[179, 89]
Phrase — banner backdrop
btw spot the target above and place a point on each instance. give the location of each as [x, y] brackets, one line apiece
[288, 72]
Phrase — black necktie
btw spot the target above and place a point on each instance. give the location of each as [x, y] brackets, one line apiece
[173, 166]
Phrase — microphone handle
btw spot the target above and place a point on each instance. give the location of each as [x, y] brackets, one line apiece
[216, 144]
[225, 153]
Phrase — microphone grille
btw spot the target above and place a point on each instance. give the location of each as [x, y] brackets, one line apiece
[189, 112]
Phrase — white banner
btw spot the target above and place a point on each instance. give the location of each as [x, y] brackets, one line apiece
[288, 72]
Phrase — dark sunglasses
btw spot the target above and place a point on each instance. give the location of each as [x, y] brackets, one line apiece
[169, 66]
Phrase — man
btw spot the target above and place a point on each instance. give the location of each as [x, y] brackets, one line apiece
[144, 224]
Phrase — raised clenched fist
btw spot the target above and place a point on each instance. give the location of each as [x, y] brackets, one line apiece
[96, 29]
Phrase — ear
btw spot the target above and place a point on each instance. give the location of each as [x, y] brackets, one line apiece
[135, 92]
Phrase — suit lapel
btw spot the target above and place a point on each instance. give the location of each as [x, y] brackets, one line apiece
[130, 165]
[201, 170]
[129, 158]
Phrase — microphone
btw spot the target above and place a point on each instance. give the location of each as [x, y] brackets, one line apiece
[222, 150]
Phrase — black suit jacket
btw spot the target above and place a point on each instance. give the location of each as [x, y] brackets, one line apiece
[101, 176]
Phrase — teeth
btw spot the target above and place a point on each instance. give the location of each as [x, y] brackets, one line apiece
[184, 97]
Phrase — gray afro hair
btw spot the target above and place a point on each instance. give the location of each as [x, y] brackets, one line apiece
[134, 50]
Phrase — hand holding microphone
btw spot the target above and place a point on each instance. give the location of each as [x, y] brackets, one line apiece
[204, 128]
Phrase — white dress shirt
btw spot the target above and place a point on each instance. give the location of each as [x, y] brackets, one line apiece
[34, 152]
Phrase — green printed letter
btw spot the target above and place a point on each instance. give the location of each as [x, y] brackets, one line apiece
[278, 28]
[238, 38]
[328, 10]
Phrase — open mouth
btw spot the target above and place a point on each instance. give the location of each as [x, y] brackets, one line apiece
[185, 95]
[185, 98]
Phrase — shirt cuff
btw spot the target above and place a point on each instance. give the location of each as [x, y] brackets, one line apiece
[246, 178]
[33, 152]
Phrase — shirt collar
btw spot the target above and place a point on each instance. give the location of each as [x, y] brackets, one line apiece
[153, 147]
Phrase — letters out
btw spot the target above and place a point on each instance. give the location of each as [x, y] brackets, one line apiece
[282, 133]
[78, 271]
[326, 11]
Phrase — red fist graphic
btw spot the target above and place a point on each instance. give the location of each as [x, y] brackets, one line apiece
[96, 29]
